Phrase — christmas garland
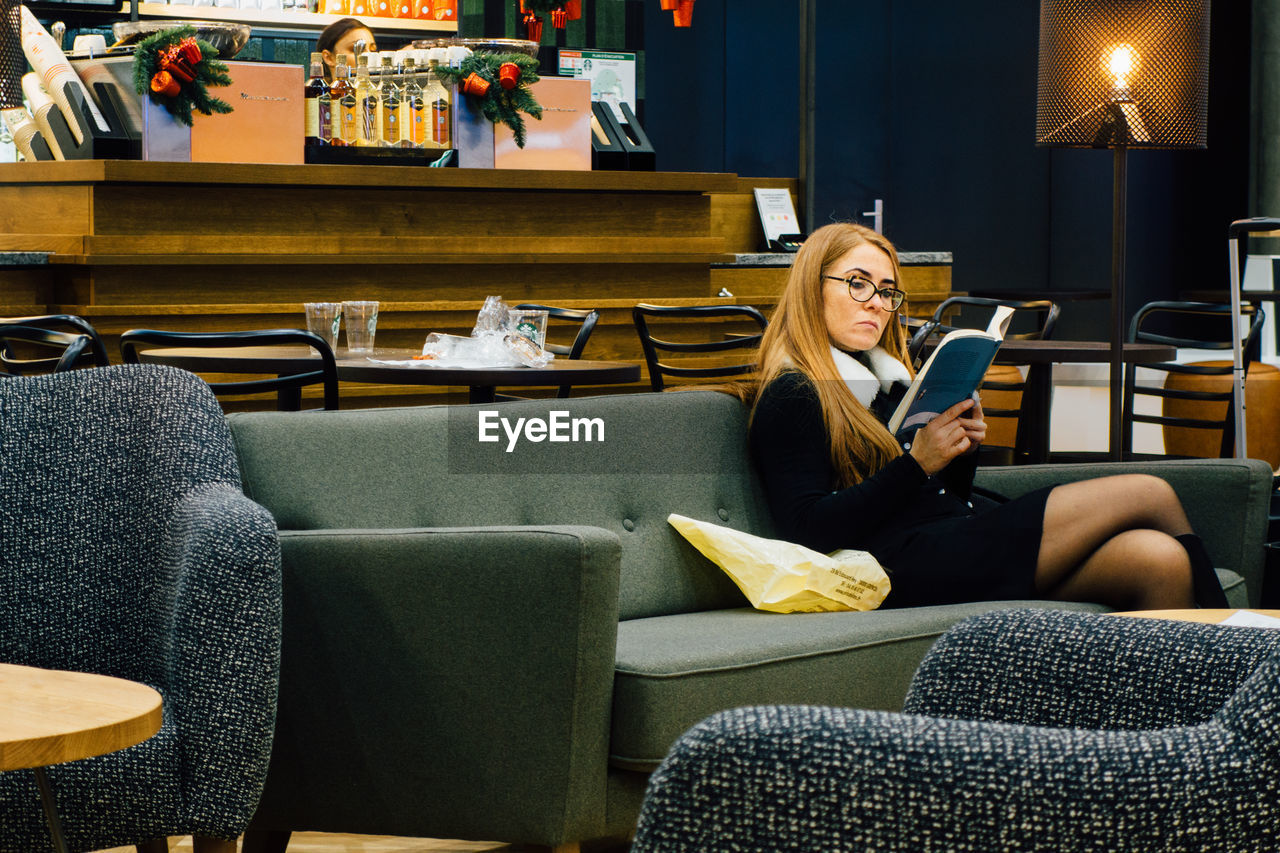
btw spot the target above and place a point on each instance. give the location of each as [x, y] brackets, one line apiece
[499, 82]
[176, 68]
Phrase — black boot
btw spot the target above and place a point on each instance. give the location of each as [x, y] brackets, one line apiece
[1204, 580]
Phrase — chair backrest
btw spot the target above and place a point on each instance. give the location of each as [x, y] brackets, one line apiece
[287, 386]
[1043, 315]
[586, 320]
[95, 464]
[704, 322]
[60, 341]
[1036, 320]
[1193, 325]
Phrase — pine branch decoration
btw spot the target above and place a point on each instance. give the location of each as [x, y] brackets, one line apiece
[163, 62]
[499, 104]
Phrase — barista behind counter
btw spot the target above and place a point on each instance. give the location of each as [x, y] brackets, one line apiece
[339, 38]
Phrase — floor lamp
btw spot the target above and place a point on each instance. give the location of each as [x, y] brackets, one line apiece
[1122, 74]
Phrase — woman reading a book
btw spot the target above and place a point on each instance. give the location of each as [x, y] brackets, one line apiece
[831, 365]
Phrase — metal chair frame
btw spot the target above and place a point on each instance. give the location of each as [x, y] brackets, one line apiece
[288, 387]
[935, 325]
[653, 347]
[586, 318]
[70, 325]
[1132, 389]
[72, 349]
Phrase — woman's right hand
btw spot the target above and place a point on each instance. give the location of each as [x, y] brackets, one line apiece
[943, 438]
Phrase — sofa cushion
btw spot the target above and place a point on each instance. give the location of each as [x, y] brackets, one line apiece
[674, 671]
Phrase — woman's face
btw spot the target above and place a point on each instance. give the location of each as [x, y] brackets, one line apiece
[346, 45]
[856, 326]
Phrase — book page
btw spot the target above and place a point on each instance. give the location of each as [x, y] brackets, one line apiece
[1000, 322]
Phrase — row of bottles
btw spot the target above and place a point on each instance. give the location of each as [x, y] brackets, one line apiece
[384, 105]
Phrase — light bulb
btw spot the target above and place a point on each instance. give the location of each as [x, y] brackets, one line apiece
[1121, 62]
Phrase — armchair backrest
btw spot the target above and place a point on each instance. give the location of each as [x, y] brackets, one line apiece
[1254, 711]
[91, 465]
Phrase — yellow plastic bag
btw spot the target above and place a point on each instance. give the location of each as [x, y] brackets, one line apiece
[783, 577]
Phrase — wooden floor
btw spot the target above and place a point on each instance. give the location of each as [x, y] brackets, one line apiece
[324, 842]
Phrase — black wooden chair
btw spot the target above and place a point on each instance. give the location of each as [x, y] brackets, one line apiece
[585, 320]
[1032, 320]
[700, 317]
[288, 387]
[49, 343]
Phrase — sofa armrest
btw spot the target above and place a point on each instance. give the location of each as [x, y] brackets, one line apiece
[1227, 501]
[1085, 670]
[223, 657]
[440, 682]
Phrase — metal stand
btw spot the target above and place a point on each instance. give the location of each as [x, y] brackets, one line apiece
[1119, 199]
[1239, 230]
[50, 810]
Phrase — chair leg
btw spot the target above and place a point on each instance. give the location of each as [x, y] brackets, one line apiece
[265, 841]
[155, 845]
[205, 844]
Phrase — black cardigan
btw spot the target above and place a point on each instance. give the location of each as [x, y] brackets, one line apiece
[791, 450]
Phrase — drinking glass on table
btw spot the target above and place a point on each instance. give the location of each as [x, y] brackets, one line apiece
[362, 325]
[323, 319]
[530, 323]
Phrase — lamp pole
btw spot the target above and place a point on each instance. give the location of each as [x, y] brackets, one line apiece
[808, 80]
[1119, 200]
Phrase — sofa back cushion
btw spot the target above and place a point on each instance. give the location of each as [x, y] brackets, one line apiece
[625, 463]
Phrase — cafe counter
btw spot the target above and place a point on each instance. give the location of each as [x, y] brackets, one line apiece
[216, 247]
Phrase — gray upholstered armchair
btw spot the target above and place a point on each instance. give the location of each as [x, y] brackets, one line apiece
[128, 548]
[1023, 730]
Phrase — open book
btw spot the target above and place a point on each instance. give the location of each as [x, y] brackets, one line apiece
[952, 373]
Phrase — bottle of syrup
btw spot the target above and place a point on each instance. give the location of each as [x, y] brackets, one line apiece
[317, 105]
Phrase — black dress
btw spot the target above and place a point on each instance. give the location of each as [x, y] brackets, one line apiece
[938, 543]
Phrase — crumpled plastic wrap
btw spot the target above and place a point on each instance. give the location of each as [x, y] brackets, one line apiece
[782, 577]
[492, 343]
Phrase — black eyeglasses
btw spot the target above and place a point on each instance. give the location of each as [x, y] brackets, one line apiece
[861, 290]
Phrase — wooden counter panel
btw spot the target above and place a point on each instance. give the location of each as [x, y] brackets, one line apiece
[320, 214]
[735, 217]
[750, 281]
[546, 282]
[188, 248]
[256, 175]
[23, 292]
[57, 209]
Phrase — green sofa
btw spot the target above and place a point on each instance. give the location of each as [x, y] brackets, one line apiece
[499, 639]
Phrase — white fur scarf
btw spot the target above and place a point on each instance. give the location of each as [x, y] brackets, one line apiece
[866, 383]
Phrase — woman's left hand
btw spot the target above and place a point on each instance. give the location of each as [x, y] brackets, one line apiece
[975, 426]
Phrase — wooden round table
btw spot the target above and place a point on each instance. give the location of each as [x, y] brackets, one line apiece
[49, 716]
[1208, 615]
[402, 369]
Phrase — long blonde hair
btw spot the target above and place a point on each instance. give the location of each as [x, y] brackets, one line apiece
[797, 338]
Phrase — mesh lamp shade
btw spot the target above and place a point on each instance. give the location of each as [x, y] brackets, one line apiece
[13, 64]
[1123, 73]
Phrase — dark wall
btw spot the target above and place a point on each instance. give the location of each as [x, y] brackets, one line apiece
[930, 106]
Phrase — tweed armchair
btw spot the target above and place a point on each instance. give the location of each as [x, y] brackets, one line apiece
[1023, 730]
[128, 548]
